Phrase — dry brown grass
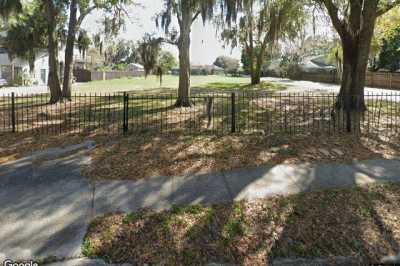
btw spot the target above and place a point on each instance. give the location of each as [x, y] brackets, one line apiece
[362, 223]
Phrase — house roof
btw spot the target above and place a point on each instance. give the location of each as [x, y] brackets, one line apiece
[136, 65]
[310, 66]
[320, 60]
[207, 67]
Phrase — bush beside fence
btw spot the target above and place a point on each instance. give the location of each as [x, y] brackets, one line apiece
[218, 113]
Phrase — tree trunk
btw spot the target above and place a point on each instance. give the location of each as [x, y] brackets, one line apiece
[184, 57]
[53, 80]
[256, 72]
[12, 72]
[355, 30]
[255, 76]
[69, 51]
[350, 103]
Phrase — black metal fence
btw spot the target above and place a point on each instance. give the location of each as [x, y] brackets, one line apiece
[249, 112]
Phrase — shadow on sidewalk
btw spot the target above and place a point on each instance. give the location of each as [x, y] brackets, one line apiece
[356, 223]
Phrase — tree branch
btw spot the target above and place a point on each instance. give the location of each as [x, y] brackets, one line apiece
[84, 14]
[165, 40]
[196, 16]
[355, 16]
[387, 7]
[333, 11]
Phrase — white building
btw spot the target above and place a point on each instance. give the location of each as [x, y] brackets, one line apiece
[10, 70]
[19, 68]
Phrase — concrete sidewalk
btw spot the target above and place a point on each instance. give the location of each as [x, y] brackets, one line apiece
[46, 204]
[242, 184]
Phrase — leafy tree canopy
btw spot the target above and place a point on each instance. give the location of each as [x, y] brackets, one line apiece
[8, 7]
[385, 26]
[257, 26]
[27, 35]
[166, 61]
[83, 42]
[149, 49]
[229, 64]
[389, 57]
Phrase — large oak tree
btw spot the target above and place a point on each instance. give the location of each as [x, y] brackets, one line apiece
[186, 12]
[258, 24]
[9, 7]
[354, 21]
[79, 10]
[53, 11]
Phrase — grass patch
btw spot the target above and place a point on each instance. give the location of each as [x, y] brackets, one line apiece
[244, 87]
[151, 84]
[170, 84]
[235, 227]
[131, 217]
[189, 209]
[88, 249]
[354, 222]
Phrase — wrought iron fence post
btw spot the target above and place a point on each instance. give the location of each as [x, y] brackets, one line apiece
[233, 112]
[125, 115]
[13, 120]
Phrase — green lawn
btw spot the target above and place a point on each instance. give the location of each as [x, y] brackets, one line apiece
[170, 83]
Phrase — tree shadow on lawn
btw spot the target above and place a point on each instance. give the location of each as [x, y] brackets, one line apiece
[359, 223]
[347, 223]
[191, 154]
[239, 87]
[324, 224]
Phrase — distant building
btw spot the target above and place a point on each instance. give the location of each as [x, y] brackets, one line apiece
[135, 67]
[312, 65]
[11, 70]
[18, 69]
[202, 70]
[317, 64]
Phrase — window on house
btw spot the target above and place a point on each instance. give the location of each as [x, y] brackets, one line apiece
[43, 75]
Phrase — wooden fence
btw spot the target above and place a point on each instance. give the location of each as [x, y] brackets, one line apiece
[374, 79]
[83, 75]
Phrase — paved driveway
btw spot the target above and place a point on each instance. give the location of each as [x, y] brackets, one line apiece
[293, 86]
[23, 90]
[300, 86]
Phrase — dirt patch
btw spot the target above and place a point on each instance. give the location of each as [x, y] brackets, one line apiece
[359, 222]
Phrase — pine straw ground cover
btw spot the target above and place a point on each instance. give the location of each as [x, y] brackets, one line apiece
[136, 157]
[17, 145]
[139, 156]
[362, 223]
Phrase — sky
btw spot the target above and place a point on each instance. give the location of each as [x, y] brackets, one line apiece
[205, 46]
